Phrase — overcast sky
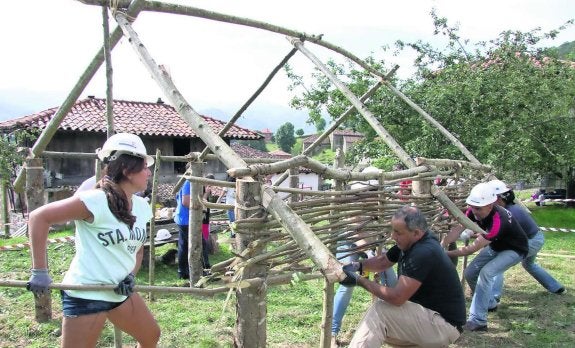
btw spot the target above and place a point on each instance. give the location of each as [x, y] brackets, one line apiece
[47, 44]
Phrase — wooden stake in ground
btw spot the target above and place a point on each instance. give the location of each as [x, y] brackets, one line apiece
[35, 199]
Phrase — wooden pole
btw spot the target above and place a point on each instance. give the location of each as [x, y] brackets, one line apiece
[244, 107]
[308, 150]
[216, 144]
[251, 307]
[34, 200]
[109, 74]
[152, 258]
[319, 254]
[434, 122]
[294, 183]
[109, 114]
[329, 288]
[5, 210]
[162, 7]
[361, 108]
[85, 78]
[195, 226]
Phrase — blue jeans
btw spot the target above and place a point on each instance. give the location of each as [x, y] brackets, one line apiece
[536, 271]
[343, 294]
[73, 307]
[480, 275]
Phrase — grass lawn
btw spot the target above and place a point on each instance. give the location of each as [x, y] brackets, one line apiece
[528, 316]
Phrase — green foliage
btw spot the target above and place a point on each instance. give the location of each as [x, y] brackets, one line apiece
[566, 51]
[10, 157]
[510, 102]
[297, 148]
[299, 132]
[271, 147]
[327, 156]
[320, 124]
[285, 137]
[293, 310]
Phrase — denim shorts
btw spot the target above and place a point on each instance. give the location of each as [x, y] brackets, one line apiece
[74, 306]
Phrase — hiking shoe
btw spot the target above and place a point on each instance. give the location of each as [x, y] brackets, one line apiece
[472, 326]
[492, 309]
[560, 291]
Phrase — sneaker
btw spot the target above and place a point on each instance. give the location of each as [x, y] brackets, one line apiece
[492, 309]
[472, 326]
[560, 291]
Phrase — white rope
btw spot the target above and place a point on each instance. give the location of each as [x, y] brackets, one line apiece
[556, 229]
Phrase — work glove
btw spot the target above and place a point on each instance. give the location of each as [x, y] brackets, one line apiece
[351, 278]
[351, 270]
[39, 281]
[126, 286]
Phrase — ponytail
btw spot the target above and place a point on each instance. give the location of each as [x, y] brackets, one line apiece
[508, 197]
[115, 172]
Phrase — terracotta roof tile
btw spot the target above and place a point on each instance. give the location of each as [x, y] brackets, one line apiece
[280, 154]
[249, 152]
[129, 116]
[313, 137]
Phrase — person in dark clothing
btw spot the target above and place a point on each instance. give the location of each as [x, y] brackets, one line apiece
[502, 246]
[506, 199]
[427, 306]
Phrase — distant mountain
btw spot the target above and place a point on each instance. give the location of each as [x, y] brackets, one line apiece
[567, 50]
[262, 116]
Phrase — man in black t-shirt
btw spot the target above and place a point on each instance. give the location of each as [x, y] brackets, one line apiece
[427, 307]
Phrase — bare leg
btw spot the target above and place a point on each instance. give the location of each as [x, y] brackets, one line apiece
[82, 331]
[134, 318]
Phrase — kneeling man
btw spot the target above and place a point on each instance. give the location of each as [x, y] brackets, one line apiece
[427, 307]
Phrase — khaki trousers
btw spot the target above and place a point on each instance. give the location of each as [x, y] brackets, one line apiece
[408, 325]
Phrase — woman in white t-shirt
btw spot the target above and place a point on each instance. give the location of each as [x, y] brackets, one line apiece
[110, 232]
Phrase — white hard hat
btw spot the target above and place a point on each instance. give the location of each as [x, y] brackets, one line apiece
[481, 195]
[162, 234]
[125, 143]
[498, 187]
[373, 182]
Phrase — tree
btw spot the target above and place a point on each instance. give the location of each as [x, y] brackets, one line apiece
[299, 132]
[10, 157]
[320, 124]
[285, 137]
[509, 101]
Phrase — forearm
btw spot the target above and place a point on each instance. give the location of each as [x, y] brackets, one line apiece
[469, 249]
[388, 294]
[451, 236]
[38, 231]
[375, 264]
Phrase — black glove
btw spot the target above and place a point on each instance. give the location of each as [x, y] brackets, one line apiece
[39, 281]
[126, 286]
[350, 279]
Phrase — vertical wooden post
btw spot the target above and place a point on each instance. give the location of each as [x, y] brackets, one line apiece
[294, 183]
[35, 199]
[329, 288]
[251, 307]
[5, 210]
[152, 258]
[195, 225]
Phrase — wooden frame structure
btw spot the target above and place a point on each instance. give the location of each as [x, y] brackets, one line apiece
[278, 238]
